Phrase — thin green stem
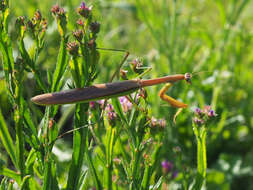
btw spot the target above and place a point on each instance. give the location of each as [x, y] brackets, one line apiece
[200, 134]
[79, 140]
[109, 153]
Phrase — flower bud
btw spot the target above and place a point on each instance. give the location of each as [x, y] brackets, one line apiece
[211, 113]
[79, 22]
[3, 5]
[92, 104]
[198, 121]
[166, 166]
[20, 21]
[143, 93]
[37, 16]
[174, 174]
[94, 27]
[72, 47]
[55, 9]
[78, 34]
[123, 74]
[84, 11]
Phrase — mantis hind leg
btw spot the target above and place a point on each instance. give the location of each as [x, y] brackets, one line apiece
[173, 102]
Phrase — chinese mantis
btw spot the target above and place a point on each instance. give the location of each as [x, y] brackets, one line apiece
[109, 90]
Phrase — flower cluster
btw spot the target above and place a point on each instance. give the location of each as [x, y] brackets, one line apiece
[58, 12]
[72, 48]
[36, 26]
[203, 115]
[86, 33]
[60, 15]
[125, 103]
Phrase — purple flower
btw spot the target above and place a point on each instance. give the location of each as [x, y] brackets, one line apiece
[109, 108]
[198, 111]
[211, 113]
[111, 116]
[166, 166]
[82, 6]
[206, 109]
[84, 11]
[92, 104]
[174, 174]
[101, 103]
[198, 121]
[125, 103]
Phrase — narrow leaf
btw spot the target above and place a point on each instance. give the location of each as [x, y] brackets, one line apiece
[6, 139]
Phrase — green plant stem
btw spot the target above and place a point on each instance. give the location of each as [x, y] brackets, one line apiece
[79, 140]
[109, 153]
[137, 155]
[19, 143]
[93, 171]
[61, 64]
[146, 177]
[6, 139]
[18, 118]
[200, 133]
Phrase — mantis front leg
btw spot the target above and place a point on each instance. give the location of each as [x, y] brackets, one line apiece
[173, 102]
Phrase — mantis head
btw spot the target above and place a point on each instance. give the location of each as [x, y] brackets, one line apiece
[188, 77]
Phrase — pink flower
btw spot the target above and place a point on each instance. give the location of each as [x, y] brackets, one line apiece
[166, 166]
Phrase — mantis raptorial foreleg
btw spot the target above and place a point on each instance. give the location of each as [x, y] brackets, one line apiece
[170, 100]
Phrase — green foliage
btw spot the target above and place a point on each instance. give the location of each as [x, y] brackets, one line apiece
[119, 144]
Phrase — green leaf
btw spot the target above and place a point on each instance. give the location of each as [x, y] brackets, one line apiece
[7, 140]
[24, 184]
[82, 184]
[79, 145]
[10, 173]
[4, 183]
[146, 177]
[93, 171]
[158, 184]
[61, 65]
[117, 107]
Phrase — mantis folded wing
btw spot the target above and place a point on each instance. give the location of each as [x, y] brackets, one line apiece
[109, 90]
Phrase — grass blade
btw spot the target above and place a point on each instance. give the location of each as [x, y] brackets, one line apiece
[6, 139]
[61, 64]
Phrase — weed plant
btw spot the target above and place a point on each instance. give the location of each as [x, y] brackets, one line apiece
[128, 142]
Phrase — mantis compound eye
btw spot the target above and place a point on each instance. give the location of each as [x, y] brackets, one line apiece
[188, 77]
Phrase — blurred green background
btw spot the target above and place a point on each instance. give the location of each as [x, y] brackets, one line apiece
[213, 38]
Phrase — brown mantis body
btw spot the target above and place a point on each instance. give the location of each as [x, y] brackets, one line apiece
[109, 90]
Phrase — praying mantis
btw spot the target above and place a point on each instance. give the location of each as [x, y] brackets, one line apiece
[114, 89]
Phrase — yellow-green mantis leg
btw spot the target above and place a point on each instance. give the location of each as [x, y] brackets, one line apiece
[173, 102]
